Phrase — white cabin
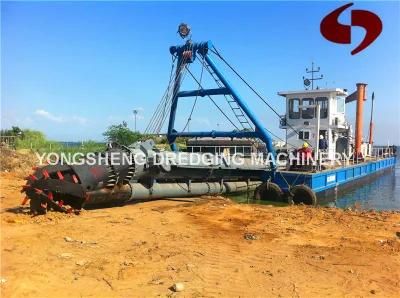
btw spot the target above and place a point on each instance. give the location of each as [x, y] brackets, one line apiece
[332, 124]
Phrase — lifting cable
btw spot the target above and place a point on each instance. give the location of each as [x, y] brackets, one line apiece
[279, 138]
[159, 115]
[200, 87]
[195, 100]
[169, 104]
[158, 118]
[181, 71]
[233, 100]
[163, 112]
[216, 52]
[150, 126]
[226, 116]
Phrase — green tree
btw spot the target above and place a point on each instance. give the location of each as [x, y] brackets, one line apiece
[14, 131]
[31, 139]
[121, 134]
[33, 136]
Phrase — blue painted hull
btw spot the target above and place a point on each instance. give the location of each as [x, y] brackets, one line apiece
[329, 179]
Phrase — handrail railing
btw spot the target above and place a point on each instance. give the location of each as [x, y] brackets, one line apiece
[383, 152]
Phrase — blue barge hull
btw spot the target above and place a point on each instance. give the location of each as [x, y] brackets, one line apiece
[332, 178]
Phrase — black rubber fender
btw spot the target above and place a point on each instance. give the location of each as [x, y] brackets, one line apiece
[269, 191]
[303, 194]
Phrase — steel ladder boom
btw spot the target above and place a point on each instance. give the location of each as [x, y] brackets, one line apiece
[237, 111]
[190, 50]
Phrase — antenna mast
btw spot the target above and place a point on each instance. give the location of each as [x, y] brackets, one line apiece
[310, 81]
[371, 124]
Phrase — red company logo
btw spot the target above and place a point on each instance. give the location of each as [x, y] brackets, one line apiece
[333, 31]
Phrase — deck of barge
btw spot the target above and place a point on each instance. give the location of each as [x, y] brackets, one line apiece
[332, 178]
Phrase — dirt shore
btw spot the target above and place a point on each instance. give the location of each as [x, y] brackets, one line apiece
[213, 246]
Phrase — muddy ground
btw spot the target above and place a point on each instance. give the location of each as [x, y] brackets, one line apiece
[213, 246]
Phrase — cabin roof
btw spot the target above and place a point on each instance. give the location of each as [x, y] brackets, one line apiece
[339, 91]
[220, 142]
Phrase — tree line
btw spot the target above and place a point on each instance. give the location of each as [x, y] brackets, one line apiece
[117, 133]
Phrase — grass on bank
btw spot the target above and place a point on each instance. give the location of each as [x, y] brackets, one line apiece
[36, 141]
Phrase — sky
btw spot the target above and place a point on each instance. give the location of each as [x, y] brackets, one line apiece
[71, 69]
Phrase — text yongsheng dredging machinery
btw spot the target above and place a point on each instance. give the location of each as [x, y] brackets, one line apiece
[310, 114]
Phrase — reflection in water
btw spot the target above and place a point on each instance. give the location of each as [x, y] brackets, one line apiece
[380, 192]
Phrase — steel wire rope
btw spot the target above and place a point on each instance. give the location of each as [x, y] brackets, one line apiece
[159, 120]
[216, 52]
[159, 114]
[163, 98]
[214, 101]
[279, 138]
[169, 103]
[220, 85]
[153, 121]
[195, 100]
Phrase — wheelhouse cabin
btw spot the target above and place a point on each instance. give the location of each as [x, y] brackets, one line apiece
[301, 117]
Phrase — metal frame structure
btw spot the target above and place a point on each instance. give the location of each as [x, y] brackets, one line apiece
[186, 54]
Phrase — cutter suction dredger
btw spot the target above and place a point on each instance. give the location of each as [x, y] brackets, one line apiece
[127, 173]
[138, 172]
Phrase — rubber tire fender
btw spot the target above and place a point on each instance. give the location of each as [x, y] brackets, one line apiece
[303, 194]
[268, 191]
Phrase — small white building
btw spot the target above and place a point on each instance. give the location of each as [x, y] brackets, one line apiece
[303, 119]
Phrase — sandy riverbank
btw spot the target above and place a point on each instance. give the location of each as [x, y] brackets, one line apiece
[214, 246]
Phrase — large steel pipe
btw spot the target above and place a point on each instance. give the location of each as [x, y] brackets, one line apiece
[179, 190]
[138, 191]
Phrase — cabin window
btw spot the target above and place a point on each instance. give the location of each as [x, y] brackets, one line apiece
[294, 111]
[247, 151]
[340, 104]
[307, 113]
[196, 149]
[304, 135]
[323, 105]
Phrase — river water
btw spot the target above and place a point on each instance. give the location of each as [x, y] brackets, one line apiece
[381, 192]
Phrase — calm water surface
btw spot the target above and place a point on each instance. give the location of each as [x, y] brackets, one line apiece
[381, 193]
